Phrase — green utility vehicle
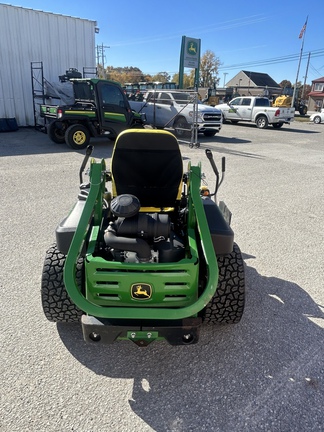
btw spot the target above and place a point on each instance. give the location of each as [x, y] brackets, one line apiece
[101, 108]
[146, 253]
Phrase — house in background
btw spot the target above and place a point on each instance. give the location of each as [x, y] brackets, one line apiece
[254, 84]
[316, 95]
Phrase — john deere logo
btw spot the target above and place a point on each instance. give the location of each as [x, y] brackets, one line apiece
[192, 48]
[141, 291]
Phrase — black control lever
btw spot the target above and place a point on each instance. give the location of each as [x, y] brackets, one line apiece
[223, 171]
[88, 153]
[209, 155]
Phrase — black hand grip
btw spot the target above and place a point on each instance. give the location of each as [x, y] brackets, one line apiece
[89, 150]
[209, 155]
[223, 164]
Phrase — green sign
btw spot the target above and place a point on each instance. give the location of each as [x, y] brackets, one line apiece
[192, 52]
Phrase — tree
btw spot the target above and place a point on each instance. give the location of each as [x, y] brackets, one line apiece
[162, 77]
[188, 81]
[209, 65]
[125, 74]
[285, 83]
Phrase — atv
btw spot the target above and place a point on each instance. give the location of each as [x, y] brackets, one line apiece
[146, 253]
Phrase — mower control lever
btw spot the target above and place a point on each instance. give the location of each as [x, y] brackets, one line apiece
[88, 153]
[209, 155]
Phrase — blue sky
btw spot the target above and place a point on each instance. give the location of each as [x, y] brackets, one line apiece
[244, 35]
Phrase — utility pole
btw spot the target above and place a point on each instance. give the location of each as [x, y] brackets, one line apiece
[101, 53]
[305, 77]
[225, 73]
[301, 36]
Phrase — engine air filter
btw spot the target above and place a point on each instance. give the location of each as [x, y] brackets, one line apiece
[125, 205]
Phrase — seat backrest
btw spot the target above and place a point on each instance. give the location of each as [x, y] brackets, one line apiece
[147, 163]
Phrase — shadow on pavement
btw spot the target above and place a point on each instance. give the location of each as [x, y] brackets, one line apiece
[29, 141]
[261, 374]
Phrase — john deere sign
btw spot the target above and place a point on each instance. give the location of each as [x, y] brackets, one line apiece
[192, 48]
[190, 57]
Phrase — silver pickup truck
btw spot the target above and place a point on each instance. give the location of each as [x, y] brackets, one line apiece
[256, 109]
[175, 109]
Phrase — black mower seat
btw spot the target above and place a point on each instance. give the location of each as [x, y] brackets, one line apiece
[148, 164]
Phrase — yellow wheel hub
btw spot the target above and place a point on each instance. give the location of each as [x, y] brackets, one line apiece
[79, 137]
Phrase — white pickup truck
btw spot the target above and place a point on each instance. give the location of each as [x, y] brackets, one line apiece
[175, 109]
[256, 109]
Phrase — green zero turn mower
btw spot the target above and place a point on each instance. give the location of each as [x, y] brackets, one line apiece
[145, 254]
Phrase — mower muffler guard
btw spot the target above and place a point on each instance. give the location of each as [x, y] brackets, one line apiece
[142, 333]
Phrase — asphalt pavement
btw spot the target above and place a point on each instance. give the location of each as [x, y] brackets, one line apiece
[264, 374]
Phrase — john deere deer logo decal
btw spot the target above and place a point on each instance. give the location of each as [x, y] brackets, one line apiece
[192, 48]
[141, 291]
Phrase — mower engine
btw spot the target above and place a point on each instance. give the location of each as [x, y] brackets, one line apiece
[141, 237]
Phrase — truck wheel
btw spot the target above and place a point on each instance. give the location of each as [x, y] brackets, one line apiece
[227, 305]
[210, 133]
[317, 119]
[181, 128]
[262, 122]
[57, 305]
[77, 136]
[277, 125]
[56, 134]
[303, 110]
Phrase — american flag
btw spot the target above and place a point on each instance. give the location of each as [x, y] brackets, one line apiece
[302, 31]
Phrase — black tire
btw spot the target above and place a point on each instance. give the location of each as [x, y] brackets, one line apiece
[317, 119]
[57, 305]
[137, 126]
[209, 133]
[227, 305]
[55, 133]
[262, 122]
[181, 128]
[77, 136]
[303, 110]
[277, 125]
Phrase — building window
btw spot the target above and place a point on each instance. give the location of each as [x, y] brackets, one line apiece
[319, 87]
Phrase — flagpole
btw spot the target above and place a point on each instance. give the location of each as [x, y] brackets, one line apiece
[303, 31]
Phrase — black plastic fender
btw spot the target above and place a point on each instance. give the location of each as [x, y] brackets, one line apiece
[67, 227]
[221, 233]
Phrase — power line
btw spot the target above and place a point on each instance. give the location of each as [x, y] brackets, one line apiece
[256, 63]
[275, 60]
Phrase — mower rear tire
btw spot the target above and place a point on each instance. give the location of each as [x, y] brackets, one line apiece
[227, 304]
[57, 305]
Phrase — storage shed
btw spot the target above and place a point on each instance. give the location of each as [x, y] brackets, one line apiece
[36, 44]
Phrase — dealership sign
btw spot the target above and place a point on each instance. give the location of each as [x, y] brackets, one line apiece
[191, 53]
